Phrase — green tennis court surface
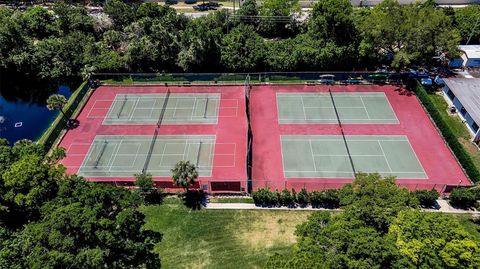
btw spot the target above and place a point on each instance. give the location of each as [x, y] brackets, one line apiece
[325, 156]
[181, 108]
[126, 155]
[354, 108]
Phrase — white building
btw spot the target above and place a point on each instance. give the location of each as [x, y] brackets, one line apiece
[471, 55]
[464, 94]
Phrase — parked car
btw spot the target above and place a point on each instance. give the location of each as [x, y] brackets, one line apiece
[190, 1]
[327, 79]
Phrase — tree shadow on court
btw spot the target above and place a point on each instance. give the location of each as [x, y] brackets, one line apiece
[194, 199]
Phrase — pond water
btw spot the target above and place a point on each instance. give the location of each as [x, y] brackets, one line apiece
[21, 119]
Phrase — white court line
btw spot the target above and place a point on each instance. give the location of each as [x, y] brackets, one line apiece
[114, 155]
[344, 155]
[360, 140]
[311, 152]
[385, 156]
[133, 110]
[364, 107]
[303, 108]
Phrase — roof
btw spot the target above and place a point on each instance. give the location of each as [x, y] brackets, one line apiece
[467, 91]
[472, 51]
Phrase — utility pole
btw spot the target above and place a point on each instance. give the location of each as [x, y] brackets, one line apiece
[473, 30]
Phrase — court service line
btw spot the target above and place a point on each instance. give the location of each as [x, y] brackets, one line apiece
[303, 108]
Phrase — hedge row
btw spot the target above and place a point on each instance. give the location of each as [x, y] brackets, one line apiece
[324, 198]
[53, 132]
[465, 197]
[457, 148]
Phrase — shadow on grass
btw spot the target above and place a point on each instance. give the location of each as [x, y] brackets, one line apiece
[194, 199]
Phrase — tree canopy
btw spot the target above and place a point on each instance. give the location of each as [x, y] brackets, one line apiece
[52, 220]
[379, 229]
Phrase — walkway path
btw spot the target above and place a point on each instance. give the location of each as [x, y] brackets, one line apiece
[444, 208]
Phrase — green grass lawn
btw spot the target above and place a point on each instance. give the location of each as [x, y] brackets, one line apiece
[220, 238]
[458, 128]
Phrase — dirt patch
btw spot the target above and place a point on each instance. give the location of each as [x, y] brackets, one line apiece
[271, 229]
[472, 149]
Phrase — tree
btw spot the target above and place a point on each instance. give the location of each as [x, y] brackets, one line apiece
[57, 102]
[57, 154]
[333, 20]
[30, 182]
[409, 34]
[432, 240]
[375, 200]
[248, 13]
[184, 174]
[467, 22]
[278, 17]
[120, 12]
[242, 49]
[87, 225]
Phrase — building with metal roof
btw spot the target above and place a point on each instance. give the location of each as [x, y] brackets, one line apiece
[464, 94]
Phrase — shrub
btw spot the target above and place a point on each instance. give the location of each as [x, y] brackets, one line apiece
[316, 199]
[426, 198]
[261, 196]
[463, 198]
[275, 198]
[286, 198]
[303, 198]
[330, 198]
[294, 196]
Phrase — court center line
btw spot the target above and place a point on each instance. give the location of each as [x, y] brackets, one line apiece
[364, 107]
[384, 156]
[311, 152]
[303, 108]
[133, 109]
[114, 156]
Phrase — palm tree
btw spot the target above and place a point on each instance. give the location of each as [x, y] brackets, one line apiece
[184, 174]
[57, 102]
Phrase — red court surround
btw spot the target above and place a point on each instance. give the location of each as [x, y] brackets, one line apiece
[438, 162]
[229, 163]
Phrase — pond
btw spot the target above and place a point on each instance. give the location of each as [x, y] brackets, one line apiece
[26, 118]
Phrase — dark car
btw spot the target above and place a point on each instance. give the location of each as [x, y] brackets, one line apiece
[190, 1]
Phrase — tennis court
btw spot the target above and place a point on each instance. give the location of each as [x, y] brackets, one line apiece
[318, 107]
[326, 156]
[127, 155]
[180, 108]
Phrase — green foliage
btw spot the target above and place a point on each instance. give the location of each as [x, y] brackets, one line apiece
[463, 197]
[51, 220]
[451, 139]
[184, 174]
[426, 198]
[378, 229]
[375, 200]
[270, 9]
[303, 198]
[431, 240]
[56, 102]
[286, 198]
[332, 20]
[87, 225]
[56, 155]
[466, 18]
[242, 49]
[325, 198]
[401, 33]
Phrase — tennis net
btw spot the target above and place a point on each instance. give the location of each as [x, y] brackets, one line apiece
[155, 133]
[341, 130]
